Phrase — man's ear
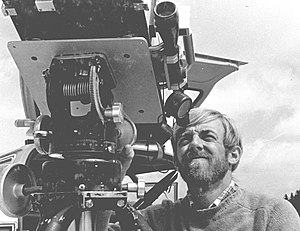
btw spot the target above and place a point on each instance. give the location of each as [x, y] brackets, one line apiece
[234, 155]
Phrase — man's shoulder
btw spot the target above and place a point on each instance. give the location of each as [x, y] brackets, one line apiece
[255, 201]
[162, 215]
[280, 213]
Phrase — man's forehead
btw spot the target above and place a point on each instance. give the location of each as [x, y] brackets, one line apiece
[214, 126]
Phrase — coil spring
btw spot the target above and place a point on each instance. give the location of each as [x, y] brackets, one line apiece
[76, 89]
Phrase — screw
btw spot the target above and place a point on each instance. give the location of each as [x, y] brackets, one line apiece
[121, 203]
[81, 187]
[89, 203]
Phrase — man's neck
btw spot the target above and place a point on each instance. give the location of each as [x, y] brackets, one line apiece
[202, 199]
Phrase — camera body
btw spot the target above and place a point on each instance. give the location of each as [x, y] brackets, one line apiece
[93, 81]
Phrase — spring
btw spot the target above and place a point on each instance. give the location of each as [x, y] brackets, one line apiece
[76, 89]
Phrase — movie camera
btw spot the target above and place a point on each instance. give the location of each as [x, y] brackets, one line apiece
[95, 76]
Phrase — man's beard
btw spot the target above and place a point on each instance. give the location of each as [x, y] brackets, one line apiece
[195, 175]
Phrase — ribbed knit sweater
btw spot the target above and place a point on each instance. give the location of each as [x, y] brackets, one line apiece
[241, 211]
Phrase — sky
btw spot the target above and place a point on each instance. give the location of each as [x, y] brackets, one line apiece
[262, 97]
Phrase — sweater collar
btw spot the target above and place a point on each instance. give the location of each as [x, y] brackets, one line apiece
[232, 188]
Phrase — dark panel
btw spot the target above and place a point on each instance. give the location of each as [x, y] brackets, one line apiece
[78, 19]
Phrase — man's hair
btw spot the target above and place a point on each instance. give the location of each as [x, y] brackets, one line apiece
[199, 115]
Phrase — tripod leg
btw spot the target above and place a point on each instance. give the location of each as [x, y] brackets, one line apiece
[101, 220]
[86, 221]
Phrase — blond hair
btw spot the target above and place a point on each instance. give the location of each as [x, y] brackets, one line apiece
[198, 115]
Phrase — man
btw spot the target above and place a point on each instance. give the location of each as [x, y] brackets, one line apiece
[207, 151]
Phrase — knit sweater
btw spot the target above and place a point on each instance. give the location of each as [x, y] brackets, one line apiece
[241, 211]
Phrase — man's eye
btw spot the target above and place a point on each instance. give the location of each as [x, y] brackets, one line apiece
[184, 140]
[210, 138]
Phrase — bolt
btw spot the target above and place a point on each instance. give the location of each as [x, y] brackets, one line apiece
[121, 203]
[89, 204]
[81, 187]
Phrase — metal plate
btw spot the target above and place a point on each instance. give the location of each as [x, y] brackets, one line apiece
[12, 203]
[206, 71]
[60, 19]
[129, 59]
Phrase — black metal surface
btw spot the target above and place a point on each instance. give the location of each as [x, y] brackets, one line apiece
[70, 81]
[78, 19]
[153, 132]
[145, 165]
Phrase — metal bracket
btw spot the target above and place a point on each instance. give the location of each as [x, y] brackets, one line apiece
[45, 5]
[103, 199]
[7, 11]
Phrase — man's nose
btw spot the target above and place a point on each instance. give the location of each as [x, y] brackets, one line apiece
[196, 143]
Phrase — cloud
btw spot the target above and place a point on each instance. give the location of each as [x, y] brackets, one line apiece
[273, 182]
[265, 34]
[272, 154]
[11, 107]
[246, 29]
[289, 126]
[251, 152]
[270, 166]
[10, 95]
[10, 136]
[268, 88]
[8, 33]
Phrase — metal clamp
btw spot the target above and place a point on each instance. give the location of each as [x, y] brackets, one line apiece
[138, 187]
[103, 199]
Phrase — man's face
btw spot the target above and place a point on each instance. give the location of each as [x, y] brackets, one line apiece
[201, 154]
